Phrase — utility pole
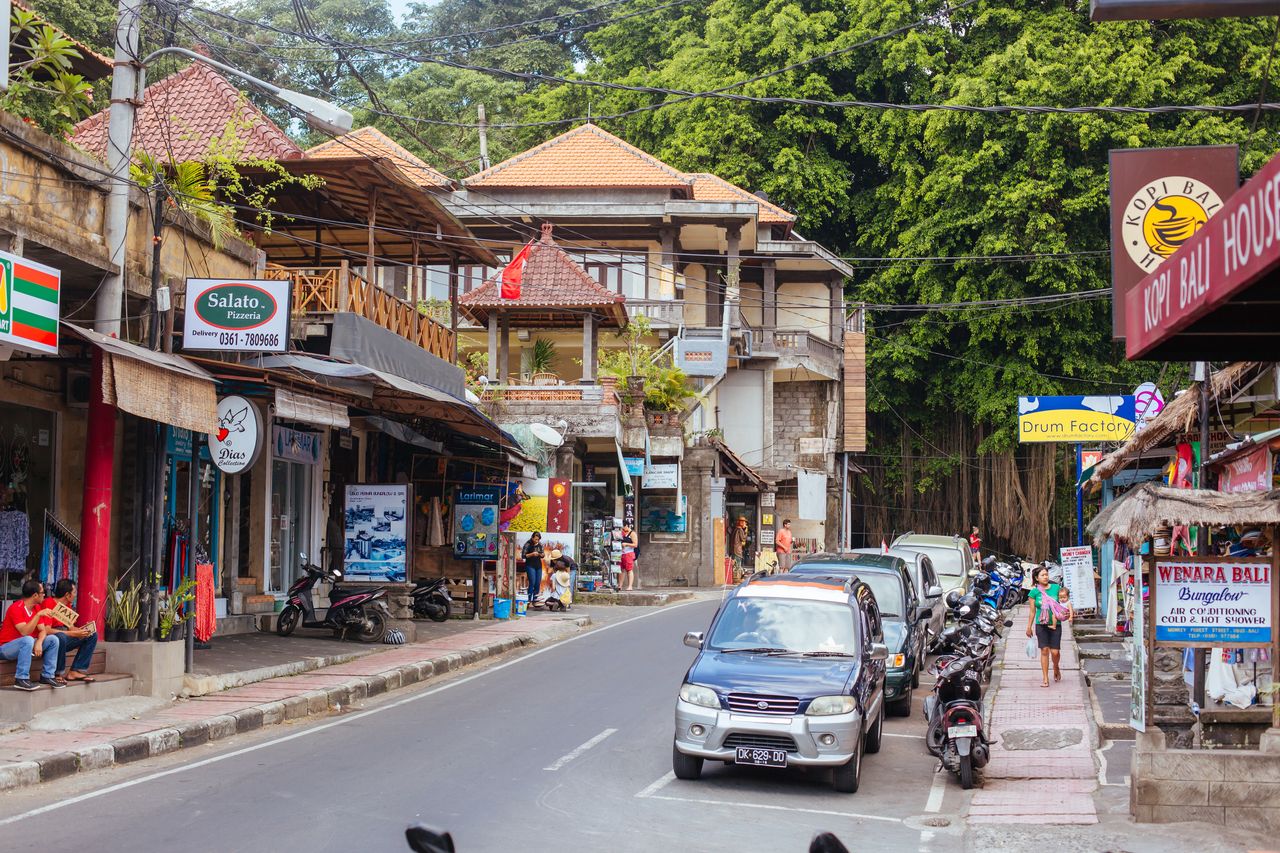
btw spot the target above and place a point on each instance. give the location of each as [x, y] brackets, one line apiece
[1200, 372]
[483, 126]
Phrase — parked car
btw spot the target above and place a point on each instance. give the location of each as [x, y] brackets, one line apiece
[903, 617]
[951, 557]
[928, 590]
[791, 672]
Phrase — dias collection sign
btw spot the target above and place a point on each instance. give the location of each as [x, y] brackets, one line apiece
[234, 315]
[1209, 603]
[234, 446]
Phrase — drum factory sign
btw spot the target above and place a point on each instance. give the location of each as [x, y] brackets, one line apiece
[1215, 602]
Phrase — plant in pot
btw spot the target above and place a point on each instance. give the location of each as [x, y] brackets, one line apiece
[175, 611]
[541, 360]
[130, 612]
[113, 626]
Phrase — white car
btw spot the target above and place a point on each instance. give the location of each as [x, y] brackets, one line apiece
[951, 557]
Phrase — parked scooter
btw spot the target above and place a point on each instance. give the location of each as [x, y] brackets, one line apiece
[956, 734]
[431, 599]
[358, 611]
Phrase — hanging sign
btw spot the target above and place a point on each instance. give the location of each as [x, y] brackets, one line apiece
[1138, 672]
[234, 315]
[295, 445]
[235, 444]
[29, 301]
[665, 475]
[1075, 419]
[1077, 576]
[475, 522]
[1212, 602]
[559, 499]
[1248, 473]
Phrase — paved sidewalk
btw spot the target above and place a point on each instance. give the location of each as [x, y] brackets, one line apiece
[28, 758]
[1042, 768]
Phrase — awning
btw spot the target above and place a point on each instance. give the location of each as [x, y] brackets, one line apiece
[299, 407]
[153, 385]
[400, 432]
[622, 469]
[741, 469]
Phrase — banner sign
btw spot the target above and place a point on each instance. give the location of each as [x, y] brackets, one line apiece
[1077, 576]
[658, 514]
[30, 294]
[661, 476]
[475, 522]
[232, 315]
[1209, 603]
[559, 498]
[376, 533]
[1138, 672]
[295, 445]
[1248, 473]
[1075, 419]
[234, 446]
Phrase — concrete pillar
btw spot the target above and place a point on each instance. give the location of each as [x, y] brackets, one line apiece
[767, 416]
[95, 514]
[769, 314]
[588, 348]
[504, 348]
[492, 371]
[837, 309]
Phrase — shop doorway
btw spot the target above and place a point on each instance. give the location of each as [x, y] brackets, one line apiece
[27, 465]
[739, 506]
[177, 513]
[290, 522]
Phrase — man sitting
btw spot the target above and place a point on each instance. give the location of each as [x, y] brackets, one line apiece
[18, 634]
[83, 640]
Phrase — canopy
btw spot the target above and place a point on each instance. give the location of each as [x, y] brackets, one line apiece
[1138, 514]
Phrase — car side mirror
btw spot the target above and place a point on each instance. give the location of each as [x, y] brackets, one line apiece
[934, 591]
[693, 639]
[973, 573]
[878, 651]
[924, 614]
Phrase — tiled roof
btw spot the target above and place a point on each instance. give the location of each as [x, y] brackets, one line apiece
[371, 142]
[583, 157]
[182, 112]
[551, 280]
[90, 65]
[711, 188]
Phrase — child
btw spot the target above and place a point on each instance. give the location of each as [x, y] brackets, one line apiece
[1064, 598]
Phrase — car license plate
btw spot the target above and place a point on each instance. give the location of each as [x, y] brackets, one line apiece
[962, 731]
[762, 757]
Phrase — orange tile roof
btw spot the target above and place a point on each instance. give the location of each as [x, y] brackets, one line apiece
[708, 187]
[182, 112]
[371, 142]
[583, 157]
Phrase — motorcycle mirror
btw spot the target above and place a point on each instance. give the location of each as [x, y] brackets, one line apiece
[424, 839]
[693, 639]
[1008, 623]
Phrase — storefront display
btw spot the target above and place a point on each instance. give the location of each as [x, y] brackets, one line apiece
[295, 473]
[658, 513]
[376, 532]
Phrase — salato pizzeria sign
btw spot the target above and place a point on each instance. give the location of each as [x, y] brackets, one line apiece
[1212, 603]
[234, 315]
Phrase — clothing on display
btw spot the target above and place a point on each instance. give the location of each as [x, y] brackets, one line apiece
[15, 540]
[206, 609]
[60, 554]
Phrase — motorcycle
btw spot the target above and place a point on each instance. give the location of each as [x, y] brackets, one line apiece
[431, 599]
[992, 586]
[956, 735]
[358, 610]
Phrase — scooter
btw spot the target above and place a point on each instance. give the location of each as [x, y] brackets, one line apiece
[955, 734]
[358, 610]
[431, 599]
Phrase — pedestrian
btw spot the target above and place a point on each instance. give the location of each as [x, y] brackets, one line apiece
[629, 543]
[82, 639]
[18, 634]
[1044, 621]
[532, 556]
[738, 546]
[783, 545]
[975, 544]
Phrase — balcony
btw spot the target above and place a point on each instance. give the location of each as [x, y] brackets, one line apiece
[662, 313]
[592, 411]
[796, 350]
[320, 291]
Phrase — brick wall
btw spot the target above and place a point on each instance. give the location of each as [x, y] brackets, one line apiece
[802, 417]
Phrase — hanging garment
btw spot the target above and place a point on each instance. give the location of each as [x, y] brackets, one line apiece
[1220, 683]
[206, 611]
[15, 541]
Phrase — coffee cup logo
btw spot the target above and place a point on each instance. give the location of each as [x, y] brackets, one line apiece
[1163, 215]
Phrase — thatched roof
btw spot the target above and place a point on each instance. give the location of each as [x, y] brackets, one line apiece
[1141, 512]
[1179, 416]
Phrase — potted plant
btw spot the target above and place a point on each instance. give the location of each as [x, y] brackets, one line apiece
[175, 613]
[541, 359]
[130, 612]
[112, 630]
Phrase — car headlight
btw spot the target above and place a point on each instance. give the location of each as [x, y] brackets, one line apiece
[825, 706]
[696, 694]
[897, 661]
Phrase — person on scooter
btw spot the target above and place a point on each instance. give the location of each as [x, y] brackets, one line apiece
[1044, 620]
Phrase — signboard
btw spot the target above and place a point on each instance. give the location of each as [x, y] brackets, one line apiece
[766, 536]
[768, 499]
[475, 522]
[1160, 197]
[661, 476]
[1215, 602]
[1090, 458]
[1150, 10]
[1138, 672]
[1248, 473]
[658, 514]
[1077, 576]
[1147, 403]
[376, 533]
[230, 315]
[559, 499]
[295, 445]
[30, 295]
[1075, 419]
[234, 446]
[635, 466]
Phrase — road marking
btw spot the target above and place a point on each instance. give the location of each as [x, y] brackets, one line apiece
[936, 791]
[740, 805]
[658, 785]
[120, 786]
[572, 754]
[914, 737]
[926, 840]
[1101, 753]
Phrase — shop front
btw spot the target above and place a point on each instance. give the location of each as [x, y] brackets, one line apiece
[294, 506]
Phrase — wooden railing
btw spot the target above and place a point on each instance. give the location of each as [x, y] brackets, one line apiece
[593, 394]
[327, 290]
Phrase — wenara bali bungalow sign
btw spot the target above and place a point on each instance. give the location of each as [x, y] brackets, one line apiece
[1215, 602]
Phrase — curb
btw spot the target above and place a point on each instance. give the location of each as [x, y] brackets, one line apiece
[652, 599]
[207, 684]
[131, 748]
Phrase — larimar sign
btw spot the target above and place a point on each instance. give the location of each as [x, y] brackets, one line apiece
[1075, 419]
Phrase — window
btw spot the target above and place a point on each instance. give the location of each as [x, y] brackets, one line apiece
[619, 272]
[795, 625]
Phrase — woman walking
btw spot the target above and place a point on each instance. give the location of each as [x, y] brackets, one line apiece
[1045, 621]
[532, 555]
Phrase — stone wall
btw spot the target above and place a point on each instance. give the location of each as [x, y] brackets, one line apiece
[1234, 788]
[670, 557]
[802, 414]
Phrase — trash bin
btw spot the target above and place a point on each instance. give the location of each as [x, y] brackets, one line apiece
[522, 605]
[502, 608]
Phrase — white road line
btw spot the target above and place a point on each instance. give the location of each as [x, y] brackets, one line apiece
[572, 754]
[741, 805]
[926, 840]
[936, 791]
[894, 734]
[658, 785]
[111, 789]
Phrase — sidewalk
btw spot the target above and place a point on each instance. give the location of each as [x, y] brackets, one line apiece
[31, 757]
[1041, 769]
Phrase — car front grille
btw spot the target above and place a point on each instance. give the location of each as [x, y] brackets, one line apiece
[761, 741]
[749, 703]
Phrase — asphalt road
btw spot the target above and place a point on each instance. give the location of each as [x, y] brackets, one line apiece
[565, 748]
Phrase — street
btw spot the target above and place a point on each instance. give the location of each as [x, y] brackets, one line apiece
[566, 747]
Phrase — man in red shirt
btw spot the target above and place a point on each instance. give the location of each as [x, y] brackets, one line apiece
[783, 545]
[83, 640]
[18, 634]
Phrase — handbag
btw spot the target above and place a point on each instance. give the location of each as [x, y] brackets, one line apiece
[1033, 649]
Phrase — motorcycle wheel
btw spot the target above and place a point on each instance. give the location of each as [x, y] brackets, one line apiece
[288, 620]
[377, 626]
[966, 771]
[440, 612]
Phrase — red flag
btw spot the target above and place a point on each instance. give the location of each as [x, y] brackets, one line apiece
[513, 273]
[884, 547]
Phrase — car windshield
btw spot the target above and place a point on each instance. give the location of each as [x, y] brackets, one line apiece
[947, 562]
[786, 625]
[888, 590]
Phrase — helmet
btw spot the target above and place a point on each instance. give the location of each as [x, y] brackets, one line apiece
[953, 599]
[970, 601]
